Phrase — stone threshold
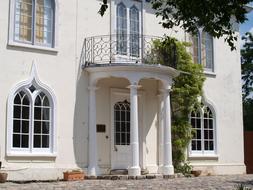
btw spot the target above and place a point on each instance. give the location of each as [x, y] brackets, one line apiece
[141, 177]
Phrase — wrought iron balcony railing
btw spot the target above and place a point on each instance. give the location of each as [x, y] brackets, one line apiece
[120, 49]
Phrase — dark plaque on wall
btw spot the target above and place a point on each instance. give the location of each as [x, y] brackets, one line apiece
[101, 128]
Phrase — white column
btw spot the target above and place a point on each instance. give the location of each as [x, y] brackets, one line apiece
[134, 169]
[160, 133]
[93, 169]
[168, 168]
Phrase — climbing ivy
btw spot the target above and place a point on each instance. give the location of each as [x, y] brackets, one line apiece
[186, 90]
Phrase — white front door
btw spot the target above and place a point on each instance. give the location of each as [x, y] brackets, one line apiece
[120, 145]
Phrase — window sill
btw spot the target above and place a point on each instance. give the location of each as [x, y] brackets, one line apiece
[36, 47]
[203, 157]
[210, 73]
[24, 154]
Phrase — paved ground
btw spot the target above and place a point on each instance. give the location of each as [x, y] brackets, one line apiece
[211, 182]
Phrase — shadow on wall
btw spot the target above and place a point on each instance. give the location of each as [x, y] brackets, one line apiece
[80, 123]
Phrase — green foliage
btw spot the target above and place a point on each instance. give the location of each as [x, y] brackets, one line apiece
[186, 90]
[247, 65]
[214, 16]
[247, 114]
[103, 8]
[242, 187]
[185, 169]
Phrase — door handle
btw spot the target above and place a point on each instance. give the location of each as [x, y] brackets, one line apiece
[115, 148]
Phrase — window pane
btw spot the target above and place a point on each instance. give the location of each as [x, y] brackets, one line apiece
[37, 127]
[44, 22]
[134, 32]
[25, 126]
[46, 101]
[26, 100]
[16, 126]
[37, 141]
[123, 138]
[128, 138]
[194, 146]
[23, 20]
[206, 145]
[38, 101]
[211, 145]
[211, 134]
[207, 51]
[17, 99]
[46, 114]
[117, 139]
[121, 29]
[17, 112]
[16, 141]
[37, 113]
[198, 145]
[25, 112]
[45, 141]
[46, 127]
[195, 47]
[25, 140]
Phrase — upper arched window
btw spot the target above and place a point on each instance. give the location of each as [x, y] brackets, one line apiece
[121, 29]
[134, 32]
[202, 50]
[203, 124]
[128, 29]
[31, 127]
[34, 22]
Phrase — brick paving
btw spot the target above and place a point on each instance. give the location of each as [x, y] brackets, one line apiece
[194, 183]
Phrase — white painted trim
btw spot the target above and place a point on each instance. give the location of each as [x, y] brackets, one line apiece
[33, 79]
[12, 42]
[206, 154]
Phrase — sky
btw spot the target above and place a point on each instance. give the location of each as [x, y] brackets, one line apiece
[248, 25]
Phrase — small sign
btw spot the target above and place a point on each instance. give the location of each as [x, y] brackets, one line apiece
[101, 128]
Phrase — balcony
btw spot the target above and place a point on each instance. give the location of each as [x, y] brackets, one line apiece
[124, 50]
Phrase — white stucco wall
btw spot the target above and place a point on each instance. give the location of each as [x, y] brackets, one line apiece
[61, 71]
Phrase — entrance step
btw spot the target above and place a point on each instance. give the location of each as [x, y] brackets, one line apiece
[119, 172]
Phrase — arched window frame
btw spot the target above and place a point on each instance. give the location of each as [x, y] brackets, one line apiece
[203, 152]
[124, 47]
[40, 87]
[11, 38]
[119, 108]
[134, 34]
[121, 28]
[202, 51]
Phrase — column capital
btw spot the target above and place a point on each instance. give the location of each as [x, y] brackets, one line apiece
[165, 90]
[134, 86]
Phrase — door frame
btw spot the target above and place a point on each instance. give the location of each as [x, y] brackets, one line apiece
[141, 126]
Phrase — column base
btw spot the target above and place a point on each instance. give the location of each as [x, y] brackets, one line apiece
[168, 170]
[134, 171]
[160, 169]
[93, 171]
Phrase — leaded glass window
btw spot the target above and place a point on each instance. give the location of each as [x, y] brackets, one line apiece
[202, 121]
[134, 32]
[32, 119]
[202, 50]
[21, 120]
[122, 123]
[121, 29]
[41, 133]
[34, 21]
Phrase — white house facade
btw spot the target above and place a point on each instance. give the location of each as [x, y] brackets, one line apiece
[76, 93]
